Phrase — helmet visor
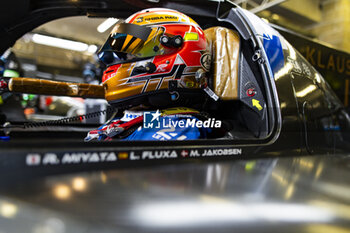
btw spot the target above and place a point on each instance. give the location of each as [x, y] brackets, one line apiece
[129, 42]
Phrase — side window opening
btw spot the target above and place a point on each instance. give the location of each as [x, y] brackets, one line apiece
[243, 106]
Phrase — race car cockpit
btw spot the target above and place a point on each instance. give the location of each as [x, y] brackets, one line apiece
[164, 71]
[161, 58]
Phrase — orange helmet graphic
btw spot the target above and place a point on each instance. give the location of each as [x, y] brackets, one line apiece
[155, 57]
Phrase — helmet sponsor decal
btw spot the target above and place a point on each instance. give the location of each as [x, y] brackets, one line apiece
[206, 61]
[161, 67]
[156, 18]
[139, 20]
[177, 72]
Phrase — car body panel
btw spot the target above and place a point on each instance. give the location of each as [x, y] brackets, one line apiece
[51, 180]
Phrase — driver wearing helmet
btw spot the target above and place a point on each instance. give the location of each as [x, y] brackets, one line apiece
[157, 61]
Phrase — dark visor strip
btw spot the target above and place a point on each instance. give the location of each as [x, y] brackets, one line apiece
[141, 32]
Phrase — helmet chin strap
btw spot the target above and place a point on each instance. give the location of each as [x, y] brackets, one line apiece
[202, 79]
[172, 87]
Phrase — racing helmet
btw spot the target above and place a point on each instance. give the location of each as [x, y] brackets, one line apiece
[156, 57]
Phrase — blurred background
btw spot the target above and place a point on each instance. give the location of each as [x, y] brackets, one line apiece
[325, 20]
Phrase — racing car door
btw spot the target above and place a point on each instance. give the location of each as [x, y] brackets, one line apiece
[260, 59]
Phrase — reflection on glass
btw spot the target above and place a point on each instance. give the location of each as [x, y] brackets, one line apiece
[8, 210]
[62, 192]
[306, 91]
[209, 211]
[103, 177]
[289, 192]
[79, 184]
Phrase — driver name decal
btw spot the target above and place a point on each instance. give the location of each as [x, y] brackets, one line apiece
[70, 158]
[105, 157]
